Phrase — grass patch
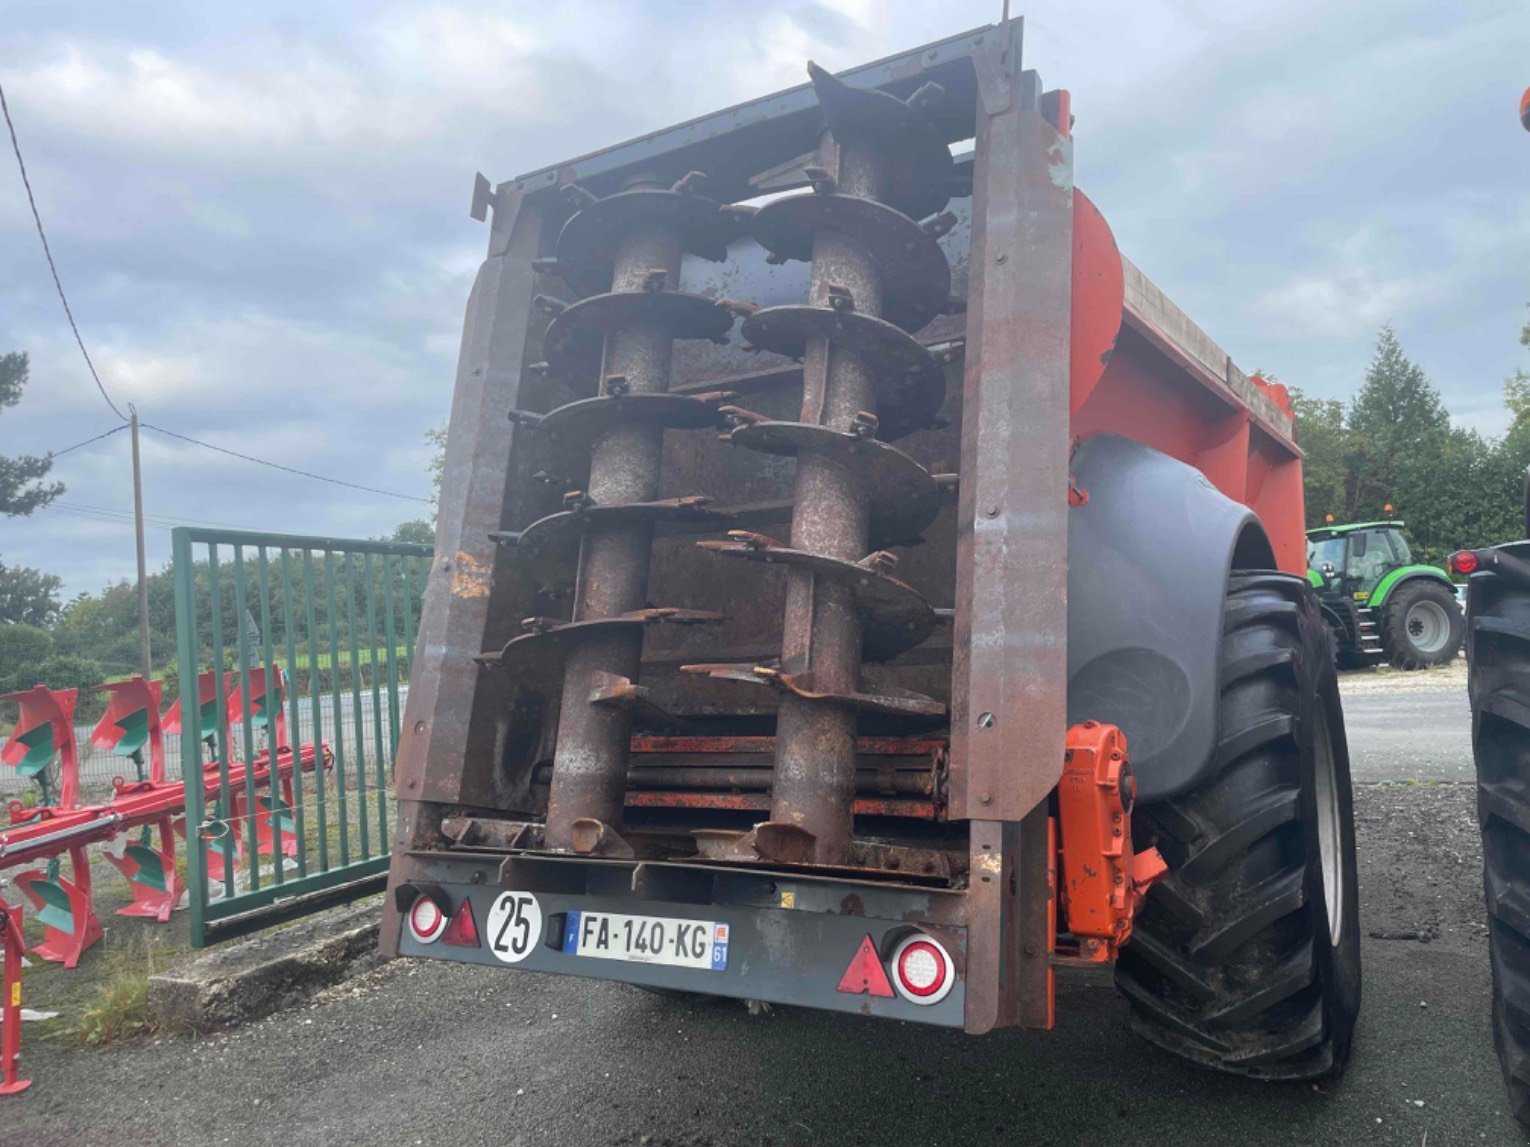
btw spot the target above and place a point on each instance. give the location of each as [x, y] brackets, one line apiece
[119, 1008]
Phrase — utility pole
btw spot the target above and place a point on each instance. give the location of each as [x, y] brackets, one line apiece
[144, 664]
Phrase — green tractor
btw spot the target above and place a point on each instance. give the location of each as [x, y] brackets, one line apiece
[1379, 604]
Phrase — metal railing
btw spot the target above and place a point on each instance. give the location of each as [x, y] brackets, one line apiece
[334, 621]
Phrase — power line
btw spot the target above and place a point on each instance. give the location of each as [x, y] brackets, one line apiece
[128, 514]
[48, 252]
[88, 441]
[41, 234]
[164, 521]
[279, 466]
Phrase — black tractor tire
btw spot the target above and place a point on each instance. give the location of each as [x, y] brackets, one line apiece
[1402, 629]
[1498, 654]
[1236, 960]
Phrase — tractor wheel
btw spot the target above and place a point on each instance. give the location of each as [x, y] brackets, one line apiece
[1499, 657]
[1421, 624]
[1246, 955]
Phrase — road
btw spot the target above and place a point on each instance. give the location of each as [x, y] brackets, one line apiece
[436, 1053]
[1409, 726]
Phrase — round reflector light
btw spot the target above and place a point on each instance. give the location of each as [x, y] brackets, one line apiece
[426, 920]
[922, 970]
[1465, 562]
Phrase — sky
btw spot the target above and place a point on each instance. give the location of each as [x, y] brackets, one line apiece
[260, 211]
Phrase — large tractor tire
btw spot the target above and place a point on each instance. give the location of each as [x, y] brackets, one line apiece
[1246, 955]
[1421, 624]
[1499, 658]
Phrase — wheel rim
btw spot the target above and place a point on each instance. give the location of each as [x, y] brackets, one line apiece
[1329, 830]
[1428, 627]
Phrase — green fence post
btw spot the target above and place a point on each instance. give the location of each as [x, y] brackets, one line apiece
[184, 576]
[357, 721]
[379, 751]
[331, 614]
[392, 659]
[316, 702]
[273, 774]
[246, 722]
[294, 722]
[225, 803]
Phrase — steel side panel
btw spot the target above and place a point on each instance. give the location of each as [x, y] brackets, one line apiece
[1010, 637]
[787, 956]
[449, 732]
[1008, 703]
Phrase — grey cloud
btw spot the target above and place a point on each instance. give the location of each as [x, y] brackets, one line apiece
[261, 217]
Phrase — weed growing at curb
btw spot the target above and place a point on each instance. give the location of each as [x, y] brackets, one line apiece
[120, 1008]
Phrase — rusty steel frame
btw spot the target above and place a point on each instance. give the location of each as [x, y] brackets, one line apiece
[468, 745]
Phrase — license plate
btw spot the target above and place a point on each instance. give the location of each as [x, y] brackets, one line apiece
[647, 939]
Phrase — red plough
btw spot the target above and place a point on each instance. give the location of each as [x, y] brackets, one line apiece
[130, 725]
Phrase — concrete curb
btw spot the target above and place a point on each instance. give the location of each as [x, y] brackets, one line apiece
[262, 974]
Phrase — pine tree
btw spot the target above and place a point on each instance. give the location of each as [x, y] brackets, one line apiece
[1397, 424]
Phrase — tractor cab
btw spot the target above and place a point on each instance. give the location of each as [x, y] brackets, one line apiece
[1352, 560]
[1378, 601]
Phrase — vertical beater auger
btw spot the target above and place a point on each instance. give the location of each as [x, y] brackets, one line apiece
[640, 234]
[876, 155]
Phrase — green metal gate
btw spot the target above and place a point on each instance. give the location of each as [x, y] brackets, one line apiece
[294, 656]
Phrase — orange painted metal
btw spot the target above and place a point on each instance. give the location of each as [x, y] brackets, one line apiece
[1130, 377]
[1102, 879]
[1099, 295]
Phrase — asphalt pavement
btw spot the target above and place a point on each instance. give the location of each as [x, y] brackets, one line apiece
[427, 1053]
[1409, 726]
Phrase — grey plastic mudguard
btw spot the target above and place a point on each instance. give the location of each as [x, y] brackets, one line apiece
[1148, 561]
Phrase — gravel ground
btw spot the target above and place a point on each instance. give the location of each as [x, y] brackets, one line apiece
[430, 1053]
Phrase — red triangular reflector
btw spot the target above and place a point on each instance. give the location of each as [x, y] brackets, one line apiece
[865, 975]
[462, 931]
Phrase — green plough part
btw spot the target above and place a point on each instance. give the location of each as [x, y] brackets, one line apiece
[55, 912]
[151, 868]
[135, 733]
[40, 749]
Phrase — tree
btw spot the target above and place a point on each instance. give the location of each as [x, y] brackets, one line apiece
[1516, 394]
[28, 596]
[420, 530]
[1397, 420]
[22, 649]
[436, 436]
[22, 489]
[1321, 435]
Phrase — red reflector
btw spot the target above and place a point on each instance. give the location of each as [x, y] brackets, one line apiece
[865, 975]
[462, 932]
[1464, 562]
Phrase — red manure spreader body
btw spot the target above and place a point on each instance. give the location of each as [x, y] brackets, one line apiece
[857, 586]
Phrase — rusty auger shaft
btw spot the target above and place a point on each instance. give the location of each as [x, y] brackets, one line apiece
[814, 786]
[590, 761]
[875, 275]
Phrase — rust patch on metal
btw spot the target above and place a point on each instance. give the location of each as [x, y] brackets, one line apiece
[470, 577]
